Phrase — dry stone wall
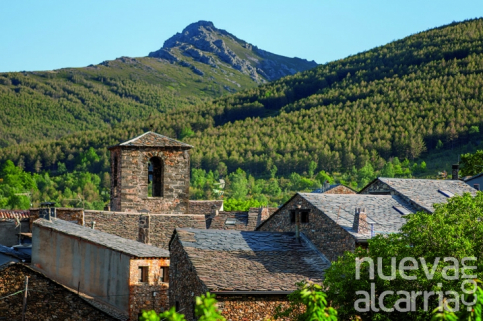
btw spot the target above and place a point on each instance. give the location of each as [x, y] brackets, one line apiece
[250, 307]
[329, 238]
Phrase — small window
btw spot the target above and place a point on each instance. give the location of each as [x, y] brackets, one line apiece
[476, 186]
[230, 221]
[164, 274]
[304, 217]
[446, 193]
[402, 210]
[292, 217]
[143, 274]
[177, 306]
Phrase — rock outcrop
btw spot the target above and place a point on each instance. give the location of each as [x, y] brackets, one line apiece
[206, 44]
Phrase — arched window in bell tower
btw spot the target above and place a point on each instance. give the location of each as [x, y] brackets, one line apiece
[114, 171]
[155, 177]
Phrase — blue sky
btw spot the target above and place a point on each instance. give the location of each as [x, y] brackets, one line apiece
[51, 34]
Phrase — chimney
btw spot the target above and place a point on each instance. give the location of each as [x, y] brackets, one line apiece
[360, 222]
[454, 172]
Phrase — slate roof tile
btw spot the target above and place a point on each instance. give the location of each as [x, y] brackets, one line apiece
[380, 210]
[425, 192]
[228, 260]
[151, 139]
[116, 243]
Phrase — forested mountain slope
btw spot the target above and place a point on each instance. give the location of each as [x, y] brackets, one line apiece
[400, 99]
[52, 104]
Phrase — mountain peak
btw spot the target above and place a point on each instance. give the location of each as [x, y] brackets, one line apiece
[203, 42]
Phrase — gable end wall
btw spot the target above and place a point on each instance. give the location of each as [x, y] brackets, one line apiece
[325, 234]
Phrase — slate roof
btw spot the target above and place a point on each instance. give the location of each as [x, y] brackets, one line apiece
[227, 260]
[380, 210]
[219, 221]
[12, 214]
[151, 139]
[116, 243]
[96, 304]
[425, 192]
[243, 221]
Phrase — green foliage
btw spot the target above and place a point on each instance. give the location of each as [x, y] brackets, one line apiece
[20, 189]
[187, 132]
[453, 230]
[399, 100]
[445, 312]
[51, 104]
[205, 308]
[152, 315]
[307, 303]
[472, 164]
[233, 204]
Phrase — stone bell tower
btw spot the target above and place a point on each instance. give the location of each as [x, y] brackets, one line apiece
[150, 172]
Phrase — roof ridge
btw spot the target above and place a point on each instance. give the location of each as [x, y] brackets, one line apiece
[133, 141]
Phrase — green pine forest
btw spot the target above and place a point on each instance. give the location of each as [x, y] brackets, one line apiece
[405, 109]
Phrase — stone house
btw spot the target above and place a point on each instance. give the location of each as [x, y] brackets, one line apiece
[250, 272]
[47, 300]
[126, 274]
[150, 172]
[336, 223]
[420, 193]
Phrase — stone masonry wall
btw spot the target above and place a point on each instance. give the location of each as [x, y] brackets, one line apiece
[127, 225]
[184, 285]
[131, 193]
[69, 214]
[323, 232]
[152, 295]
[250, 307]
[47, 300]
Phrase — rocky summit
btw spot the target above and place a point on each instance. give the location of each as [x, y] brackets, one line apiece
[203, 42]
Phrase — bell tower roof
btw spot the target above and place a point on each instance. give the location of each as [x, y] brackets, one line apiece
[151, 139]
